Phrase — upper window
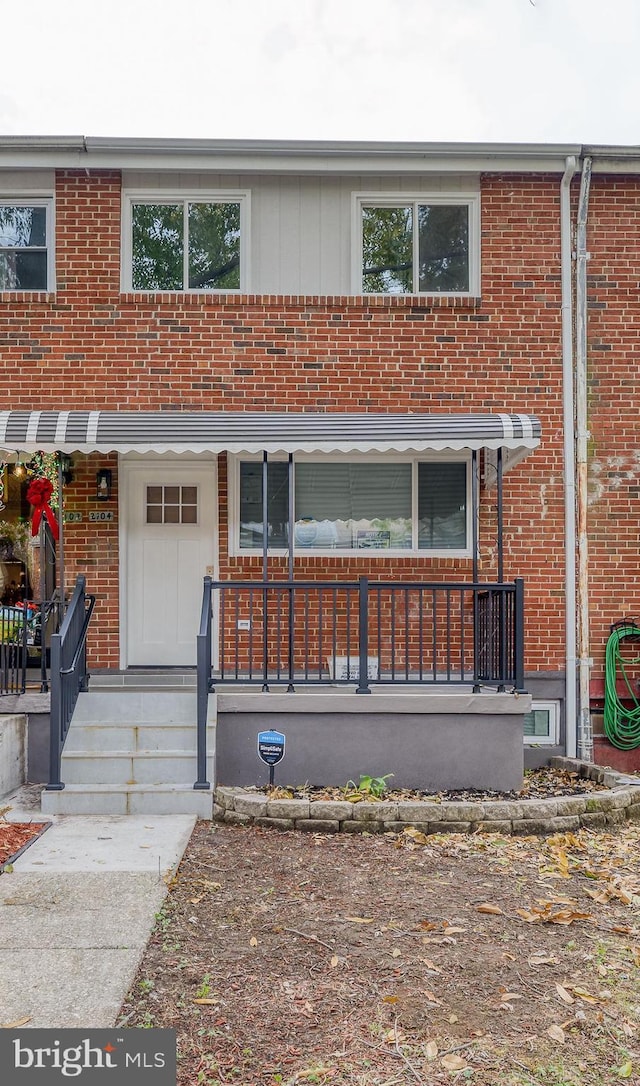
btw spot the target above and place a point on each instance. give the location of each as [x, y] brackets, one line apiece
[25, 245]
[340, 506]
[187, 244]
[417, 246]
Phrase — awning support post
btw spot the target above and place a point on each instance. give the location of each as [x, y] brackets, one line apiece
[499, 465]
[61, 529]
[474, 512]
[474, 540]
[291, 517]
[265, 570]
[503, 610]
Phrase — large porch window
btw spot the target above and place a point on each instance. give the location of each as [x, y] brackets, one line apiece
[393, 505]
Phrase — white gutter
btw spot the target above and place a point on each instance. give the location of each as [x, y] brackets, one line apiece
[280, 156]
[585, 731]
[568, 458]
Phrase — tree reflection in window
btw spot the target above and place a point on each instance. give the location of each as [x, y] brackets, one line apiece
[23, 247]
[208, 234]
[414, 248]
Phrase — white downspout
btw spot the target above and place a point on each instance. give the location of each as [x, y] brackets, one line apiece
[570, 713]
[585, 731]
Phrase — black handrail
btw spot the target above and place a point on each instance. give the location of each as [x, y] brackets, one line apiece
[203, 658]
[68, 674]
[51, 613]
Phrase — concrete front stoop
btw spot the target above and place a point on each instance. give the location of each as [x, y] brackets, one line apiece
[134, 752]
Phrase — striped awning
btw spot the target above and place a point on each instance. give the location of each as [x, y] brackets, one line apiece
[255, 432]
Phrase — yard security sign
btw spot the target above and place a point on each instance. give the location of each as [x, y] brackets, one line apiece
[271, 750]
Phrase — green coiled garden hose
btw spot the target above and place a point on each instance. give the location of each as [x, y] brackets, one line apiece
[621, 721]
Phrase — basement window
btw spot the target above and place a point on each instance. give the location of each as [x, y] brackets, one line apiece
[541, 724]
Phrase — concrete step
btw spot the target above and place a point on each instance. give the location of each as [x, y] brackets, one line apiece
[126, 767]
[136, 706]
[125, 736]
[144, 799]
[133, 751]
[141, 679]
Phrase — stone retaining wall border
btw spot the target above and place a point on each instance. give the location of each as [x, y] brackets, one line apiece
[618, 802]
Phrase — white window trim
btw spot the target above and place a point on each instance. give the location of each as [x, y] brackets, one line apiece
[402, 199]
[155, 196]
[550, 740]
[236, 551]
[46, 201]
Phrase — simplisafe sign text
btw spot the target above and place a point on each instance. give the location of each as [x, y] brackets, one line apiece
[271, 747]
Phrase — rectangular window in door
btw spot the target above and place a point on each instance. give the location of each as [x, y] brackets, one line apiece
[171, 504]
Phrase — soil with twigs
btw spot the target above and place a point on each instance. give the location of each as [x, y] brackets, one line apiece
[293, 958]
[543, 783]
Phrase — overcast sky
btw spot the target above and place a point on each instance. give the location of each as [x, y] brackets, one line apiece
[475, 70]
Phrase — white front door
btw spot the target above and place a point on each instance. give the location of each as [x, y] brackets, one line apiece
[170, 543]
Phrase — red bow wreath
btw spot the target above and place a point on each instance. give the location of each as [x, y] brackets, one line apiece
[38, 494]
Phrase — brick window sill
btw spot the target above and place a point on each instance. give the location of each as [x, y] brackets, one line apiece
[327, 301]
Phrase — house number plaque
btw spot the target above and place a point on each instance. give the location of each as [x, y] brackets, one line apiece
[101, 515]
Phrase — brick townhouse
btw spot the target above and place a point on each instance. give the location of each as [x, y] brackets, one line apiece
[427, 352]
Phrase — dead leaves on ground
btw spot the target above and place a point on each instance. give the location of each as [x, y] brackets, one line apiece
[547, 913]
[583, 856]
[424, 945]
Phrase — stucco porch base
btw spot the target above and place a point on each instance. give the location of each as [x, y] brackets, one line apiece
[430, 741]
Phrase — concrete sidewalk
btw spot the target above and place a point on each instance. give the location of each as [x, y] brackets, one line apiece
[77, 910]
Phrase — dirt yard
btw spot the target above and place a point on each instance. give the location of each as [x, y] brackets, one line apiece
[291, 958]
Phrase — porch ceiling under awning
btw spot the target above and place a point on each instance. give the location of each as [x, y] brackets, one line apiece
[256, 432]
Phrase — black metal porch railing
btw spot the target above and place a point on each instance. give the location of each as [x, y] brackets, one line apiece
[68, 673]
[309, 632]
[362, 632]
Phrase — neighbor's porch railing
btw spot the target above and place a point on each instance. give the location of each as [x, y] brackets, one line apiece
[24, 633]
[14, 648]
[364, 632]
[68, 674]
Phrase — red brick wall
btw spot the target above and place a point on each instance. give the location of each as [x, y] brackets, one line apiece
[88, 346]
[613, 241]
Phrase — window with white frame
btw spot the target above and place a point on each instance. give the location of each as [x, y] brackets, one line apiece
[417, 245]
[395, 505]
[541, 724]
[26, 244]
[185, 244]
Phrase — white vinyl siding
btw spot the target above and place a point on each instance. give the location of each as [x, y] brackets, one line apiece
[301, 234]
